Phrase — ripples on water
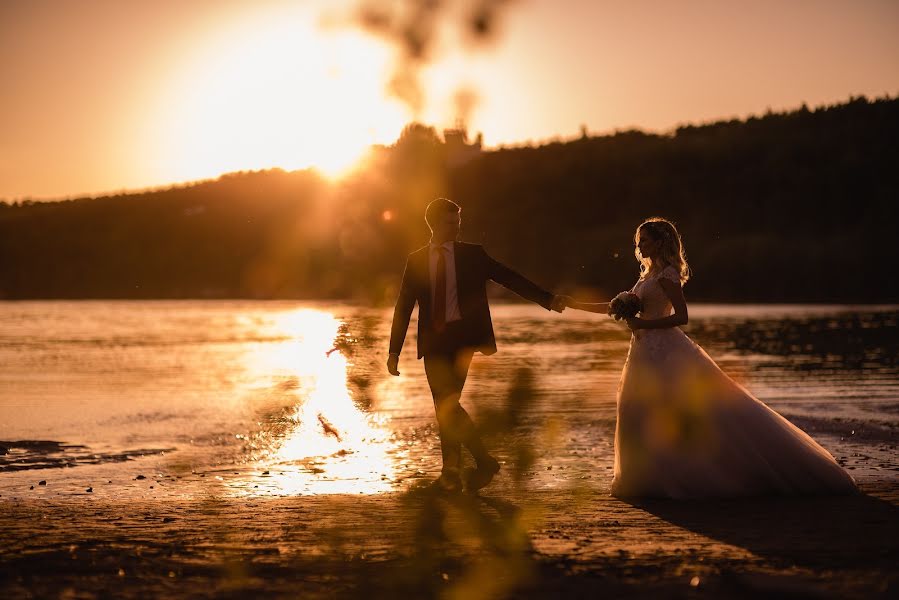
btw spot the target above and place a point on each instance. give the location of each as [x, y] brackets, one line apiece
[292, 398]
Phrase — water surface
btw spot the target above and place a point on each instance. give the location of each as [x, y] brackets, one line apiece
[190, 398]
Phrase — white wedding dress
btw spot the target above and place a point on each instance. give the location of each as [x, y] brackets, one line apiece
[687, 430]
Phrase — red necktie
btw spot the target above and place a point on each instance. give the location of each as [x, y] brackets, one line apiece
[439, 312]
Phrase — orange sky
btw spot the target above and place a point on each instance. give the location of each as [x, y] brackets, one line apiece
[105, 95]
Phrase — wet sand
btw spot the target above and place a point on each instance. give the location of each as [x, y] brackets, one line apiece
[508, 542]
[204, 433]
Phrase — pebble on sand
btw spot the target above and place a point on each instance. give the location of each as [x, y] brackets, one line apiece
[90, 489]
[140, 477]
[42, 482]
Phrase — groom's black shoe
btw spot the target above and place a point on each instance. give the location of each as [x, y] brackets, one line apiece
[476, 479]
[447, 483]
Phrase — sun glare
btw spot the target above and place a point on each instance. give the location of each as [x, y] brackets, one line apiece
[330, 446]
[275, 91]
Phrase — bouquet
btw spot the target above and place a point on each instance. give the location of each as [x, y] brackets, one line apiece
[625, 305]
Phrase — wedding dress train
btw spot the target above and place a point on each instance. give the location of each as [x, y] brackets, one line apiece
[687, 430]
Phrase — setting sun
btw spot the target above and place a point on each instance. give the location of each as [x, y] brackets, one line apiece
[274, 91]
[242, 353]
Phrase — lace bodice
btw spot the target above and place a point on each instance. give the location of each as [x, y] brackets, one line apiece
[655, 302]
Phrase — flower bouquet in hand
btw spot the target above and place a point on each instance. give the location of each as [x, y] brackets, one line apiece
[625, 305]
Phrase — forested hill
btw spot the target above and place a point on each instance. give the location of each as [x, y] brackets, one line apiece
[797, 206]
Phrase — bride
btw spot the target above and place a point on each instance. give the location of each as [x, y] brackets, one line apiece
[685, 429]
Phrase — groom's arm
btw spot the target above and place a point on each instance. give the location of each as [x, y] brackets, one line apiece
[402, 313]
[518, 283]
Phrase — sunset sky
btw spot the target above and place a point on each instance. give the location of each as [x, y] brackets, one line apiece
[105, 95]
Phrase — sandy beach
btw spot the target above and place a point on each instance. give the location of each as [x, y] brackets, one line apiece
[508, 542]
[185, 454]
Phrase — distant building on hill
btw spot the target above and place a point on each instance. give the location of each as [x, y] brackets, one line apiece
[458, 150]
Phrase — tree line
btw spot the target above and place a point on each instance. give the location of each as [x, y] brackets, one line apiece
[783, 207]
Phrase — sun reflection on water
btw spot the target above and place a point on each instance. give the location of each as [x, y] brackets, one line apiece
[329, 446]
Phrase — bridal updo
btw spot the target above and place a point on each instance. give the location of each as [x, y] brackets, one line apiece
[671, 248]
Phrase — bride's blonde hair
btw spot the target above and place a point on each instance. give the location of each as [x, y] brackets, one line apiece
[671, 248]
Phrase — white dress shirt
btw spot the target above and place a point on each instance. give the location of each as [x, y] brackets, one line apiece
[452, 292]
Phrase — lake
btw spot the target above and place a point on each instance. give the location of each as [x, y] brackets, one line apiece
[181, 399]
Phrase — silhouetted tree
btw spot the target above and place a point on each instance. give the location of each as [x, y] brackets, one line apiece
[795, 206]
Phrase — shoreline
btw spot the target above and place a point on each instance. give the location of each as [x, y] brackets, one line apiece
[197, 432]
[510, 541]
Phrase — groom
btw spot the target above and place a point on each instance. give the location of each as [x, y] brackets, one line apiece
[448, 280]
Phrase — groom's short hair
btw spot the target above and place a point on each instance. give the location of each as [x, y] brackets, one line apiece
[439, 207]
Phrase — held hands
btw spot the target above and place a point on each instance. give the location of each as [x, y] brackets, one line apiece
[393, 362]
[559, 303]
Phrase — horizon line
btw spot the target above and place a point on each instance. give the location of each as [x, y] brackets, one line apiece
[530, 143]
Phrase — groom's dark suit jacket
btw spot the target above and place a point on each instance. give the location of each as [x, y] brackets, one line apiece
[473, 268]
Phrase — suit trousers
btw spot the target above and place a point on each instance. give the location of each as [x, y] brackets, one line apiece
[447, 369]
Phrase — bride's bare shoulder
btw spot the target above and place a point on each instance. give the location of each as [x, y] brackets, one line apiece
[669, 272]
